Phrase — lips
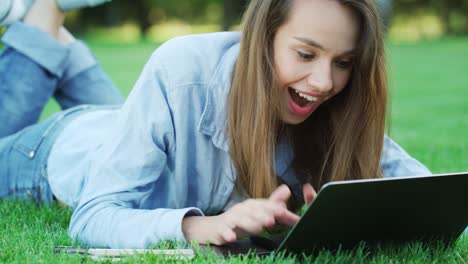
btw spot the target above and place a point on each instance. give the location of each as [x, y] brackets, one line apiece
[300, 101]
[299, 104]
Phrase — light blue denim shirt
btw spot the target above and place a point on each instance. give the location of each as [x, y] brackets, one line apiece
[132, 173]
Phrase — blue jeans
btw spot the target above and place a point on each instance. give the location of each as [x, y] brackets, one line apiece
[34, 68]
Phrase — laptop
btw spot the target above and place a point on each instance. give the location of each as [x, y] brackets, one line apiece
[374, 211]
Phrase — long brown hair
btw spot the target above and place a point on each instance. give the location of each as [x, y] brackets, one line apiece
[341, 140]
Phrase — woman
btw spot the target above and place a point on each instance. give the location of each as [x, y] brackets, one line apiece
[222, 136]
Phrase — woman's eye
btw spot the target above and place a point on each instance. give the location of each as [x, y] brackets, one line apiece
[305, 56]
[344, 64]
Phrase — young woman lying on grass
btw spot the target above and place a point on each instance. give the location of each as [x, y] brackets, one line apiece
[223, 135]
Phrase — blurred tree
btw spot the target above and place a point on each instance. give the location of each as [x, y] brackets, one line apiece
[143, 9]
[233, 10]
[148, 12]
[453, 14]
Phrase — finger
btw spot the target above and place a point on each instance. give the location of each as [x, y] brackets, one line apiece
[228, 236]
[309, 193]
[266, 211]
[266, 206]
[222, 236]
[265, 219]
[259, 211]
[248, 225]
[287, 217]
[281, 194]
[254, 215]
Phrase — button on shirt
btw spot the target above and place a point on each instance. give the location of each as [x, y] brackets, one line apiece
[132, 173]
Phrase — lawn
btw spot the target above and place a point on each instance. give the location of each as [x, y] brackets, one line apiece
[429, 118]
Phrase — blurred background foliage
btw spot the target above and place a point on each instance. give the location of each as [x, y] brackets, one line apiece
[158, 20]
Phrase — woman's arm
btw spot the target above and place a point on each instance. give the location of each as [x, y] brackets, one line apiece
[126, 174]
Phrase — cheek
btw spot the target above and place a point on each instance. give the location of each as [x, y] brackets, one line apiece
[341, 80]
[286, 68]
[282, 71]
[287, 72]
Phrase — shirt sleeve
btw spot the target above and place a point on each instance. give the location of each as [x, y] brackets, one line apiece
[127, 169]
[396, 162]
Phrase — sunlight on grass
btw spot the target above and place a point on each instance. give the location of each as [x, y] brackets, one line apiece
[174, 28]
[126, 33]
[129, 33]
[416, 27]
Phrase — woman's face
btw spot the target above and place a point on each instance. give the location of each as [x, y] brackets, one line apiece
[313, 55]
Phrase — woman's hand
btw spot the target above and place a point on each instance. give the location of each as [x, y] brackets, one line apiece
[249, 217]
[309, 193]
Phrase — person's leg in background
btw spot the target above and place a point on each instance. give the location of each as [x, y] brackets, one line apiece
[37, 62]
[84, 81]
[14, 10]
[30, 66]
[42, 59]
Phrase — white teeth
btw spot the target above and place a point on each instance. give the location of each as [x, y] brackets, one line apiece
[305, 96]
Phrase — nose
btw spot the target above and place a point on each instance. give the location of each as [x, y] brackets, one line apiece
[320, 77]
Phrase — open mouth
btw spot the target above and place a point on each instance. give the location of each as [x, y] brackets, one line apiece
[302, 100]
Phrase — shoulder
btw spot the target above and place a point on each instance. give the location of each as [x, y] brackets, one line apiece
[200, 43]
[194, 58]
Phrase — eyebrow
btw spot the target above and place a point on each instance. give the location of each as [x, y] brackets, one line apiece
[315, 44]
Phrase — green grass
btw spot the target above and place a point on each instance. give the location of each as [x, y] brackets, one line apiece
[430, 102]
[429, 118]
[28, 234]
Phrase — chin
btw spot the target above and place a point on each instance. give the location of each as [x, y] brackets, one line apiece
[293, 119]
